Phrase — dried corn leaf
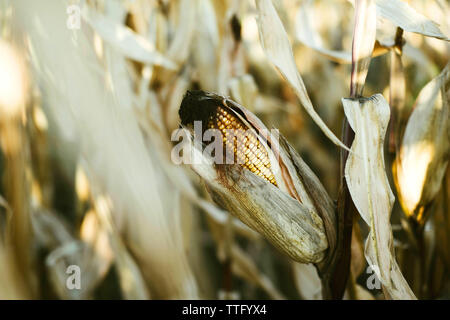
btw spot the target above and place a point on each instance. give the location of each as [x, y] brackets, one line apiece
[180, 46]
[369, 187]
[363, 42]
[206, 43]
[129, 43]
[404, 16]
[277, 47]
[424, 152]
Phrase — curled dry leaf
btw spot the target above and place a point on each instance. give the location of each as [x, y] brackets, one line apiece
[425, 149]
[369, 188]
[277, 47]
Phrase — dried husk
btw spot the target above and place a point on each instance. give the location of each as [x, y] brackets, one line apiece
[292, 215]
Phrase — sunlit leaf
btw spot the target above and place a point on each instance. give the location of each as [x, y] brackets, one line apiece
[404, 16]
[425, 149]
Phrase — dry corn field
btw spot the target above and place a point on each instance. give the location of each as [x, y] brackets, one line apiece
[225, 149]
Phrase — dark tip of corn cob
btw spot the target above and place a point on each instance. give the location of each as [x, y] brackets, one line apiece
[197, 105]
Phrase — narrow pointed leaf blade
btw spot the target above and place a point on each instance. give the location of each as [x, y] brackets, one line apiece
[404, 16]
[277, 47]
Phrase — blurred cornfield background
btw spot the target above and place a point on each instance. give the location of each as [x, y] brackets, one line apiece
[86, 116]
